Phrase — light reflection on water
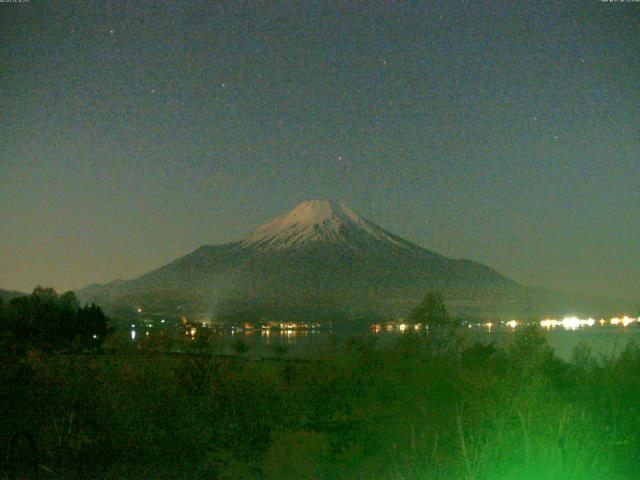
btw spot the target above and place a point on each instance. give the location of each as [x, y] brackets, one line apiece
[603, 337]
[602, 340]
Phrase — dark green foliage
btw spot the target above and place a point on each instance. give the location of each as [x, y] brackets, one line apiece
[431, 311]
[240, 347]
[50, 321]
[91, 325]
[280, 350]
[410, 410]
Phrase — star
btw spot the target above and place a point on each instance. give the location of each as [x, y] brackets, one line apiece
[339, 158]
[112, 32]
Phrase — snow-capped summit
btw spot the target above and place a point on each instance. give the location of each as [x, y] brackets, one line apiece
[318, 221]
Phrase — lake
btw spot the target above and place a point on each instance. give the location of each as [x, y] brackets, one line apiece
[602, 340]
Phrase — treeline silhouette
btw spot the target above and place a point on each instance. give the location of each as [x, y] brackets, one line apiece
[48, 321]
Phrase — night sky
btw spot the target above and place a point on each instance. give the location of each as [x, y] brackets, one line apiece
[503, 132]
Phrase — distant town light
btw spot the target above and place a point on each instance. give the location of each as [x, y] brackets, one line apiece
[626, 320]
[549, 323]
[571, 323]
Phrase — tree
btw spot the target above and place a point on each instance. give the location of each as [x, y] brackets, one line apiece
[431, 311]
[46, 320]
[91, 325]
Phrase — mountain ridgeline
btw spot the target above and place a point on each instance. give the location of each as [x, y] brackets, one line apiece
[322, 261]
[7, 295]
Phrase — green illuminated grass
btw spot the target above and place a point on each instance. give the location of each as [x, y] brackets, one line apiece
[424, 407]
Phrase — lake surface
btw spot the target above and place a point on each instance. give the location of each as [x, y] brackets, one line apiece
[602, 340]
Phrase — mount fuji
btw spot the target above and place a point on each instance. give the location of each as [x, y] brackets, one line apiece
[320, 261]
[320, 221]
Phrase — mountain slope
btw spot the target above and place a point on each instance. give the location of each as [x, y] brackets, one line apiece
[321, 260]
[6, 295]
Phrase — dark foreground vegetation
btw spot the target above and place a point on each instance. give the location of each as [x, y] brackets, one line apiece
[428, 406]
